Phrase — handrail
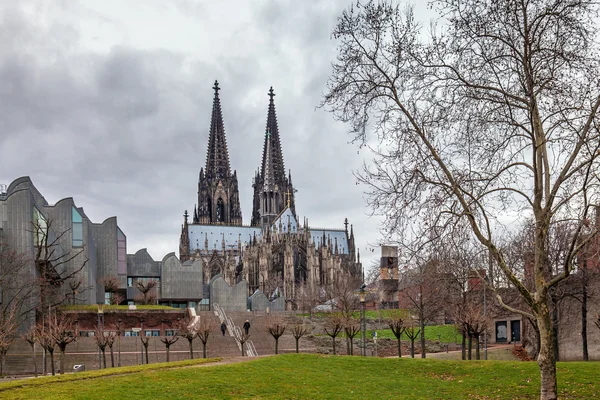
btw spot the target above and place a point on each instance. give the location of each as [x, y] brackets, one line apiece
[234, 331]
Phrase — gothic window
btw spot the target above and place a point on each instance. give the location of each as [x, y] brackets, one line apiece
[220, 217]
[215, 268]
[300, 265]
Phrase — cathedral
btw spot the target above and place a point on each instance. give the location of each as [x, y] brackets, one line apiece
[276, 253]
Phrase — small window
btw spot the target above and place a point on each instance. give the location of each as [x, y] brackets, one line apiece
[40, 227]
[152, 332]
[77, 230]
[129, 282]
[170, 332]
[132, 333]
[86, 333]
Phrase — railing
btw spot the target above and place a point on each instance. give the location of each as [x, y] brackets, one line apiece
[234, 331]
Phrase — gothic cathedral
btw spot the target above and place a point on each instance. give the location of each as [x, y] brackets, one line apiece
[276, 253]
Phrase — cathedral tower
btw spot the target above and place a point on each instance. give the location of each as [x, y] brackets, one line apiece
[218, 194]
[273, 190]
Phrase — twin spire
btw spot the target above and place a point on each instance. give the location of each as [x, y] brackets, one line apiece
[217, 157]
[273, 142]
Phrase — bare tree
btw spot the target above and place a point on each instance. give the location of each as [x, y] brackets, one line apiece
[101, 340]
[63, 332]
[310, 295]
[55, 266]
[145, 342]
[343, 293]
[119, 330]
[242, 339]
[205, 327]
[148, 290]
[17, 295]
[496, 112]
[111, 285]
[170, 340]
[334, 323]
[8, 329]
[298, 330]
[110, 341]
[395, 319]
[46, 340]
[188, 329]
[31, 337]
[75, 284]
[275, 326]
[351, 329]
[412, 332]
[473, 323]
[422, 291]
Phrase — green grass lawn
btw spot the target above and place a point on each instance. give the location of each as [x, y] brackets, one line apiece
[447, 334]
[309, 376]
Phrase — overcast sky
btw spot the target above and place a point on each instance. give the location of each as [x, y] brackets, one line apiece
[109, 102]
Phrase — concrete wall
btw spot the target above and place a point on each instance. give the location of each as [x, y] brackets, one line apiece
[230, 298]
[181, 281]
[259, 302]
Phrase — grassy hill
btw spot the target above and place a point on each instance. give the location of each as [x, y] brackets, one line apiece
[311, 376]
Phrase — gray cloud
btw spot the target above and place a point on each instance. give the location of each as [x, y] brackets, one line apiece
[97, 105]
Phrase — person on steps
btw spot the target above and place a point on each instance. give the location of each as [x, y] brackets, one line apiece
[223, 328]
[246, 326]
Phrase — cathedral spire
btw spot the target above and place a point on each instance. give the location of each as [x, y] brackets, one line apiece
[217, 156]
[268, 167]
[184, 239]
[275, 150]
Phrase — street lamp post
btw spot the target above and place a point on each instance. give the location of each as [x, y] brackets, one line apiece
[119, 329]
[100, 332]
[141, 333]
[363, 326]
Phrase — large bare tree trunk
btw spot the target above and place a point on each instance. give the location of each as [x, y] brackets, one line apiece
[470, 347]
[546, 360]
[584, 339]
[477, 355]
[423, 355]
[2, 361]
[297, 340]
[45, 364]
[62, 361]
[463, 348]
[191, 350]
[52, 362]
[399, 348]
[35, 371]
[112, 357]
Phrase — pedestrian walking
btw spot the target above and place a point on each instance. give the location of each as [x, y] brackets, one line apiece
[246, 326]
[223, 328]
